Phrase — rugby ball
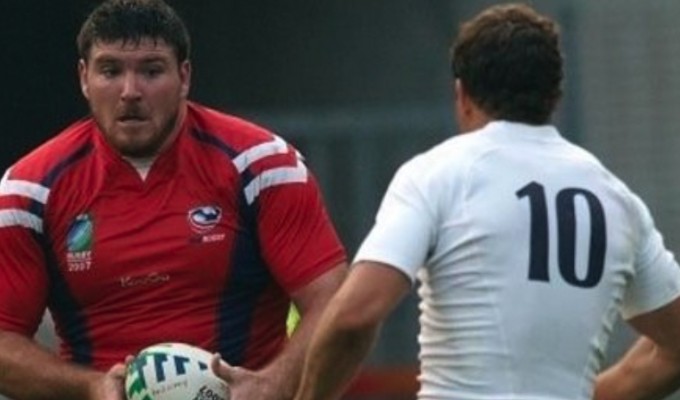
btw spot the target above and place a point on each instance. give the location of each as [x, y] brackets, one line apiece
[173, 371]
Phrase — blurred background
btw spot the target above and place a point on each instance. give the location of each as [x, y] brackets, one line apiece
[360, 86]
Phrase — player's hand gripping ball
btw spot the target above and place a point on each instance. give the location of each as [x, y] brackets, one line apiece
[173, 371]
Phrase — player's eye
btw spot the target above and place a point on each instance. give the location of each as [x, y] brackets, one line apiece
[109, 71]
[152, 71]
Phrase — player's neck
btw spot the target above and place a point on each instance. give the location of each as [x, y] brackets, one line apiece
[141, 164]
[473, 120]
[470, 116]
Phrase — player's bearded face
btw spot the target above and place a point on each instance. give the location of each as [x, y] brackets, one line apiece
[136, 92]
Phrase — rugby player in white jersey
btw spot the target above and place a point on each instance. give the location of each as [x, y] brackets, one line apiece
[526, 247]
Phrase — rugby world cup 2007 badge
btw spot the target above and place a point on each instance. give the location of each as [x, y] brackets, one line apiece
[79, 243]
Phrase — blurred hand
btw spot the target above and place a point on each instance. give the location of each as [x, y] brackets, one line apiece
[111, 386]
[245, 384]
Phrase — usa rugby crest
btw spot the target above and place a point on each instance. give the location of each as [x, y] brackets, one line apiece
[205, 218]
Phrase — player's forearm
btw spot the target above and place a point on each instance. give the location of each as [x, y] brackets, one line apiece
[286, 370]
[311, 301]
[646, 372]
[29, 372]
[334, 358]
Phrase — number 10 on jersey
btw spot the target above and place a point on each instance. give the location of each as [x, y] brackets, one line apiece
[565, 209]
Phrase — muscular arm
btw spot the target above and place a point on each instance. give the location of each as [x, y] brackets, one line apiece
[651, 368]
[280, 378]
[27, 371]
[311, 301]
[348, 329]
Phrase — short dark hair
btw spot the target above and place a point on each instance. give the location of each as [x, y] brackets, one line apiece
[132, 21]
[509, 61]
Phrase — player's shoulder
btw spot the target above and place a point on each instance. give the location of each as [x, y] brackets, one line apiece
[74, 141]
[260, 157]
[449, 156]
[236, 133]
[459, 149]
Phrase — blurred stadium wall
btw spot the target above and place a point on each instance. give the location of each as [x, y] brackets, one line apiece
[359, 86]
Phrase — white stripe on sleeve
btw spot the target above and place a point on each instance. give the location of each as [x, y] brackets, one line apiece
[15, 217]
[275, 177]
[22, 188]
[255, 153]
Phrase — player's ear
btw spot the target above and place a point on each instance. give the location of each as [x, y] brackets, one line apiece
[462, 98]
[469, 116]
[462, 103]
[185, 77]
[82, 75]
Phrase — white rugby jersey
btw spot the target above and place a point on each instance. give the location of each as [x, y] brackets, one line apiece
[527, 249]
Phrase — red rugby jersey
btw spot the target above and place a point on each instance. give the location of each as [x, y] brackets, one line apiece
[205, 251]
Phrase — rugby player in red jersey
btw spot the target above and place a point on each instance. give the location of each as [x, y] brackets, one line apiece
[157, 219]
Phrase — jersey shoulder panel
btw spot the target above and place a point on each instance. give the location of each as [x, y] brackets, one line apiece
[453, 155]
[37, 165]
[451, 159]
[235, 132]
[26, 186]
[261, 158]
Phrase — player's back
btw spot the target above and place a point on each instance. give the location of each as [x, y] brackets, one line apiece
[535, 245]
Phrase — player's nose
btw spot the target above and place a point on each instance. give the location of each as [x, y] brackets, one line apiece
[131, 89]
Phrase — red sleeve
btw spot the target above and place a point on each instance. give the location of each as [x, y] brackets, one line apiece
[23, 277]
[296, 234]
